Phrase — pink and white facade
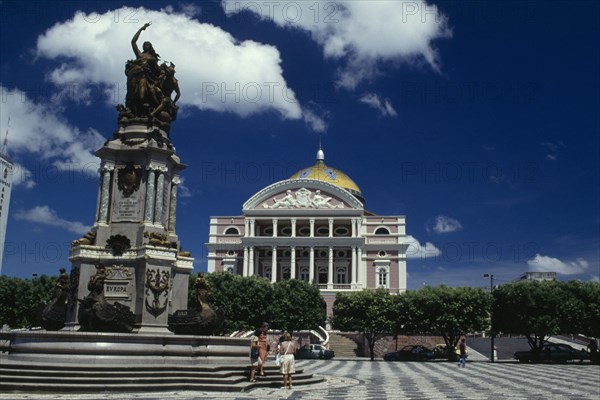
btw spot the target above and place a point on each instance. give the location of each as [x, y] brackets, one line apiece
[315, 229]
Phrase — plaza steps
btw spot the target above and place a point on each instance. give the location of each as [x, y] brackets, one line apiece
[90, 378]
[343, 346]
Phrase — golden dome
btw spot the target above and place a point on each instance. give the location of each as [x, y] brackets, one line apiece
[321, 172]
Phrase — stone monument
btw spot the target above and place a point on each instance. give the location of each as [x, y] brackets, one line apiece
[129, 275]
[132, 259]
[54, 314]
[202, 319]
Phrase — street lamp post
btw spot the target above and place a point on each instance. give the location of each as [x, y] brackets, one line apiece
[491, 276]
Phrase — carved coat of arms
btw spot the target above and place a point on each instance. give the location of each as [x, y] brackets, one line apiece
[129, 179]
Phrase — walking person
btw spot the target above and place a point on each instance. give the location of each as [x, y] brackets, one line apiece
[254, 357]
[462, 362]
[592, 347]
[263, 346]
[287, 349]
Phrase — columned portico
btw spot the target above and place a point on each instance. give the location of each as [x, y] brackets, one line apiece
[354, 280]
[251, 265]
[293, 263]
[311, 265]
[330, 269]
[274, 265]
[313, 227]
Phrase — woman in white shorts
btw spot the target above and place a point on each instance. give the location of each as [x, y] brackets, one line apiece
[287, 349]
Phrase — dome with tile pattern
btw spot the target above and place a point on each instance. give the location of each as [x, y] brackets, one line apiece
[322, 172]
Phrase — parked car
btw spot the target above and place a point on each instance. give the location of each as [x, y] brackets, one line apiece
[410, 353]
[552, 352]
[314, 351]
[443, 351]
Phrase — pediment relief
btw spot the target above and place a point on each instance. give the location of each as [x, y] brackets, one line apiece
[302, 194]
[303, 198]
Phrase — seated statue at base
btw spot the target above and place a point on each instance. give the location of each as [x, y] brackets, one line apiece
[202, 320]
[55, 313]
[98, 315]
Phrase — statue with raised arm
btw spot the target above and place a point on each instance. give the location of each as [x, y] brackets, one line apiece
[143, 77]
[150, 86]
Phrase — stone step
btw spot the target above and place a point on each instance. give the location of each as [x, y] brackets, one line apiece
[61, 387]
[343, 346]
[93, 378]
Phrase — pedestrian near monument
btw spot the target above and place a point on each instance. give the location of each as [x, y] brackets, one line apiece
[263, 346]
[287, 349]
[592, 347]
[462, 362]
[254, 356]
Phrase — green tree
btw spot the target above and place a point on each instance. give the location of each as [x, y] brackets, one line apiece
[298, 305]
[531, 308]
[245, 301]
[450, 312]
[21, 300]
[580, 312]
[368, 312]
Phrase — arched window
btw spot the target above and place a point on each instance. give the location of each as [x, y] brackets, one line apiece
[382, 278]
[304, 274]
[267, 272]
[382, 231]
[340, 275]
[232, 231]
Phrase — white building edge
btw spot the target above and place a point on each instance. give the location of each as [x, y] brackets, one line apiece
[312, 226]
[6, 175]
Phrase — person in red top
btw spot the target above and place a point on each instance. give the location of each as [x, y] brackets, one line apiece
[263, 346]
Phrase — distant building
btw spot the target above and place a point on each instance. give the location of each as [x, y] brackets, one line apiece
[312, 226]
[6, 174]
[538, 276]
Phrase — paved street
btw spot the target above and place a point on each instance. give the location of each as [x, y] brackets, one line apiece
[395, 380]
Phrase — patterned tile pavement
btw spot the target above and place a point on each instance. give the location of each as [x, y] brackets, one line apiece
[350, 379]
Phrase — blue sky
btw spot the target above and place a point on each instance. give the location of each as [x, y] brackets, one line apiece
[476, 120]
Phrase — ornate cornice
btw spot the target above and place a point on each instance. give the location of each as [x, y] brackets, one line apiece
[256, 201]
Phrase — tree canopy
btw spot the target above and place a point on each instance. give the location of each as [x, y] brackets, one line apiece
[450, 312]
[298, 305]
[368, 312]
[248, 301]
[539, 310]
[245, 301]
[21, 300]
[529, 308]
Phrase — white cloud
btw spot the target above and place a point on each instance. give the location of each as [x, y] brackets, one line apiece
[417, 250]
[444, 224]
[316, 122]
[384, 106]
[191, 9]
[47, 216]
[21, 176]
[37, 129]
[595, 278]
[364, 34]
[215, 71]
[549, 264]
[552, 149]
[184, 191]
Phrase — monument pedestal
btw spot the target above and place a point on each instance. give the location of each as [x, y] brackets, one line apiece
[132, 252]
